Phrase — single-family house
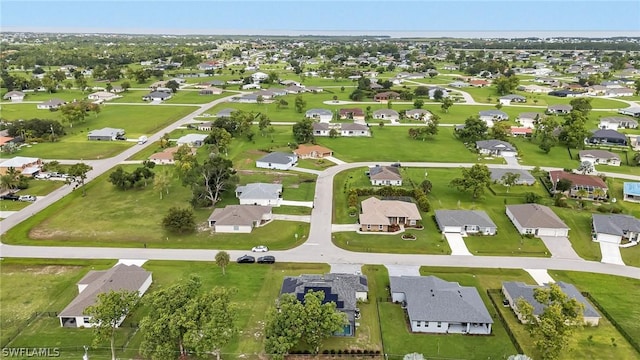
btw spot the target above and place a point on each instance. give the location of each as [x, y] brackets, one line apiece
[479, 83]
[528, 119]
[465, 222]
[599, 157]
[120, 277]
[259, 194]
[432, 91]
[353, 114]
[418, 114]
[617, 122]
[560, 109]
[619, 92]
[459, 84]
[157, 96]
[608, 137]
[535, 89]
[525, 178]
[613, 228]
[117, 89]
[386, 114]
[565, 93]
[496, 148]
[631, 192]
[632, 110]
[385, 176]
[344, 290]
[210, 91]
[515, 290]
[27, 166]
[51, 104]
[305, 151]
[205, 126]
[322, 115]
[102, 96]
[387, 215]
[14, 96]
[437, 306]
[536, 220]
[294, 89]
[520, 131]
[491, 116]
[239, 218]
[508, 99]
[192, 140]
[354, 130]
[323, 129]
[105, 134]
[246, 98]
[580, 182]
[226, 112]
[259, 76]
[277, 160]
[166, 157]
[290, 83]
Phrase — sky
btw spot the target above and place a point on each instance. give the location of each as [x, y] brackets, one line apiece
[328, 17]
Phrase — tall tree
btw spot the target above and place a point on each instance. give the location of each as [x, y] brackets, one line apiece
[474, 130]
[322, 319]
[574, 132]
[179, 220]
[300, 104]
[418, 103]
[545, 133]
[163, 329]
[263, 123]
[506, 84]
[283, 327]
[161, 183]
[509, 179]
[222, 260]
[212, 322]
[474, 180]
[107, 314]
[581, 104]
[500, 131]
[303, 131]
[210, 179]
[79, 172]
[173, 85]
[446, 104]
[552, 329]
[220, 138]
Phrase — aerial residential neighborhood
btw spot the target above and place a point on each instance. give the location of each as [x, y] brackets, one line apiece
[318, 194]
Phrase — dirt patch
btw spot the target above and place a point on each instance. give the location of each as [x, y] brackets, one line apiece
[44, 270]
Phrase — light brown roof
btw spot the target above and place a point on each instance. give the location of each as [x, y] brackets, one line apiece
[384, 173]
[308, 149]
[577, 179]
[119, 277]
[536, 216]
[239, 214]
[378, 212]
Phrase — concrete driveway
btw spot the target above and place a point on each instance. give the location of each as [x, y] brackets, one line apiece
[344, 227]
[403, 270]
[611, 254]
[308, 204]
[541, 276]
[346, 268]
[457, 245]
[299, 218]
[560, 247]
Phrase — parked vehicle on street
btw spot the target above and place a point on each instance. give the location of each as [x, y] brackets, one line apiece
[246, 259]
[259, 248]
[266, 259]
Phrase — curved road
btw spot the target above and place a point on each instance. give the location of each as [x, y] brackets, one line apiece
[317, 248]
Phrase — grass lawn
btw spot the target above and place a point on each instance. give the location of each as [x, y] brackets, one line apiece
[51, 285]
[104, 205]
[136, 120]
[193, 97]
[398, 340]
[393, 144]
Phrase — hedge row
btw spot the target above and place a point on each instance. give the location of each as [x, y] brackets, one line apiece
[494, 292]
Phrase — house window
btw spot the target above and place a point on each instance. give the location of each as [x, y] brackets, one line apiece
[528, 231]
[439, 324]
[379, 227]
[368, 226]
[236, 227]
[86, 320]
[418, 323]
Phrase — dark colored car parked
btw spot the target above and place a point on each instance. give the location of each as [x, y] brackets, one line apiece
[246, 259]
[266, 259]
[12, 197]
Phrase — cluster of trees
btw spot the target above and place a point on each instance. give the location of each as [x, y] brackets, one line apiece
[36, 129]
[76, 112]
[237, 124]
[13, 179]
[208, 180]
[138, 178]
[474, 130]
[303, 131]
[506, 84]
[142, 75]
[293, 322]
[186, 320]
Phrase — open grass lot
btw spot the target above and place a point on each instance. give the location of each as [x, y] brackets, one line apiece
[136, 120]
[393, 144]
[398, 340]
[429, 240]
[51, 285]
[94, 217]
[295, 186]
[589, 342]
[193, 97]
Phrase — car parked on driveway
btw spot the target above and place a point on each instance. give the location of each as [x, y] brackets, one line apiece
[266, 259]
[246, 259]
[260, 248]
[12, 197]
[27, 198]
[42, 176]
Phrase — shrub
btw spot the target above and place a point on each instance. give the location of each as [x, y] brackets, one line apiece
[531, 198]
[180, 221]
[424, 204]
[426, 186]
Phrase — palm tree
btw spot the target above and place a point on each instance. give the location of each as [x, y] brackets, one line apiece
[582, 193]
[598, 193]
[222, 260]
[10, 180]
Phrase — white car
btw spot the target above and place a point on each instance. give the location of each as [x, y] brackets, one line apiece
[260, 248]
[42, 176]
[27, 198]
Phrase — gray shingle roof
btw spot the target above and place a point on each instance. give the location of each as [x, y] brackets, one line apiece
[598, 154]
[278, 158]
[241, 215]
[525, 177]
[615, 224]
[342, 286]
[259, 191]
[495, 145]
[463, 217]
[433, 299]
[225, 112]
[119, 277]
[517, 289]
[494, 113]
[318, 112]
[608, 134]
[536, 216]
[105, 132]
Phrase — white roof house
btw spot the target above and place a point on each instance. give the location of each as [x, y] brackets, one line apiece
[192, 140]
[259, 194]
